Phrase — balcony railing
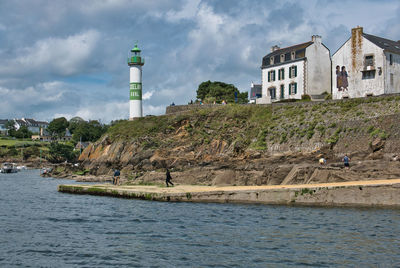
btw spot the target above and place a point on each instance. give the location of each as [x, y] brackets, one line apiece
[135, 60]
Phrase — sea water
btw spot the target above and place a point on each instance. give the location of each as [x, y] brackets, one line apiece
[40, 227]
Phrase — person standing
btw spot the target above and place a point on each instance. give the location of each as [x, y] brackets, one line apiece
[117, 173]
[346, 161]
[345, 82]
[338, 78]
[168, 178]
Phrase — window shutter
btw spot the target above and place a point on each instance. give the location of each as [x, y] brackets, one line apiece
[295, 87]
[290, 89]
[279, 74]
[269, 76]
[295, 71]
[290, 73]
[283, 74]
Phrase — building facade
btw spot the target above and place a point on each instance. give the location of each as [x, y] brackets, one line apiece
[371, 64]
[32, 125]
[255, 92]
[289, 73]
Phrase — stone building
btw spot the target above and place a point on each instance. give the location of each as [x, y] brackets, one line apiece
[372, 64]
[289, 73]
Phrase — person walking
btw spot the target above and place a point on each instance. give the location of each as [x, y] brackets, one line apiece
[117, 173]
[168, 178]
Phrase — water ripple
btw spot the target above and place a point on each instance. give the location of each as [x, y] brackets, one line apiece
[44, 228]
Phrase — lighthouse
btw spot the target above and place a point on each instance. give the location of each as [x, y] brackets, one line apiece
[135, 62]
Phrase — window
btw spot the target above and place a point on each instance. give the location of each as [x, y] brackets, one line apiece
[293, 55]
[283, 58]
[277, 59]
[369, 60]
[368, 74]
[292, 71]
[271, 76]
[271, 60]
[287, 57]
[281, 74]
[293, 89]
[272, 93]
[391, 59]
[282, 91]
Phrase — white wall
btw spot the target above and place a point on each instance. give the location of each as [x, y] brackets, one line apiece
[318, 78]
[354, 63]
[392, 69]
[277, 83]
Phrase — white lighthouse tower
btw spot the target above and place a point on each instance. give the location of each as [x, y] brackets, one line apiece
[135, 63]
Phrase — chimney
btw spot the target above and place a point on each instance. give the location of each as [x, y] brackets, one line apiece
[316, 39]
[275, 48]
[358, 31]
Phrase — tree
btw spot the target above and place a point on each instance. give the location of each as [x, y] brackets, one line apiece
[218, 91]
[58, 126]
[74, 123]
[23, 132]
[61, 152]
[88, 131]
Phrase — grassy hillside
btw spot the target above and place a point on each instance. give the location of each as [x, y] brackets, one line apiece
[258, 127]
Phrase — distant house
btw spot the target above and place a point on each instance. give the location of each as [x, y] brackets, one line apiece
[44, 135]
[81, 145]
[289, 73]
[33, 125]
[255, 92]
[372, 64]
[3, 129]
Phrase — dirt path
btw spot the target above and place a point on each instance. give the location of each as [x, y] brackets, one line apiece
[198, 188]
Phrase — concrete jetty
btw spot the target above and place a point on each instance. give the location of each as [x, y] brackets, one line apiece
[353, 193]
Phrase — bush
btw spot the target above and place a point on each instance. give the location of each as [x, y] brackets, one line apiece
[61, 152]
[306, 97]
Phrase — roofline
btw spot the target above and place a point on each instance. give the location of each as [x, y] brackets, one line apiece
[341, 46]
[291, 47]
[282, 63]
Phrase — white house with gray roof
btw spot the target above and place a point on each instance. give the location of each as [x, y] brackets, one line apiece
[372, 64]
[289, 73]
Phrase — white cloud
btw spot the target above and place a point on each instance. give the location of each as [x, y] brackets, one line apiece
[62, 56]
[147, 95]
[189, 11]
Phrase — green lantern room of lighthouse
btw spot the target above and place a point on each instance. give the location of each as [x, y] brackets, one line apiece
[135, 58]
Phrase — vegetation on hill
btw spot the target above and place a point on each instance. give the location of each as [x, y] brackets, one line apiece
[257, 127]
[216, 91]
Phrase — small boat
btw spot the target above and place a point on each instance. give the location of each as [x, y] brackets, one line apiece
[21, 168]
[9, 168]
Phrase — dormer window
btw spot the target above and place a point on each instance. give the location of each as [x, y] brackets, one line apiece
[292, 55]
[282, 57]
[369, 61]
[271, 60]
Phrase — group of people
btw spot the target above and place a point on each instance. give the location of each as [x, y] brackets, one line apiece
[342, 82]
[346, 161]
[117, 174]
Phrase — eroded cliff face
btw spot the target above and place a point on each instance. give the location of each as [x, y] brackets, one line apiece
[253, 145]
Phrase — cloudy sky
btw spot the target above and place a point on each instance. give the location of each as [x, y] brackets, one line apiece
[68, 58]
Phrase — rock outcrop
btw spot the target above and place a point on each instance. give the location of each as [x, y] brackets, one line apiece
[255, 145]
